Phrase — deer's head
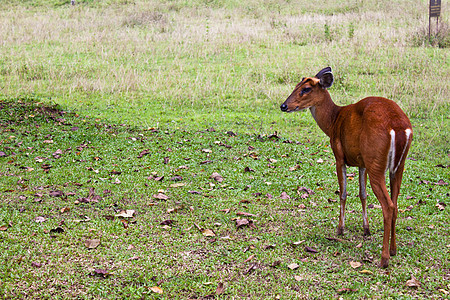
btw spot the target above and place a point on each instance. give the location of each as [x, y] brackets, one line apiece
[309, 91]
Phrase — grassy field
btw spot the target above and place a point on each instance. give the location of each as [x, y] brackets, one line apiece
[152, 98]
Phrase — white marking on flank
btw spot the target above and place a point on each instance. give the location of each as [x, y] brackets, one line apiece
[391, 155]
[408, 134]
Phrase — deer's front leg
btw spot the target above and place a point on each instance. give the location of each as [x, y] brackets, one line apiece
[342, 178]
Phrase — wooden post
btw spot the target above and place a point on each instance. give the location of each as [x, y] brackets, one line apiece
[435, 11]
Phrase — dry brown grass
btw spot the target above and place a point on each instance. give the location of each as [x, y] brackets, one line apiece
[247, 53]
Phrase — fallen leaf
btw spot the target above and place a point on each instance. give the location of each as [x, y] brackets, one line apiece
[284, 195]
[359, 245]
[126, 213]
[175, 185]
[124, 223]
[92, 244]
[208, 232]
[220, 288]
[56, 193]
[40, 219]
[36, 264]
[101, 272]
[346, 290]
[441, 182]
[304, 192]
[160, 178]
[57, 153]
[355, 264]
[167, 222]
[309, 249]
[274, 136]
[276, 263]
[374, 206]
[298, 243]
[176, 178]
[248, 169]
[271, 246]
[251, 269]
[413, 282]
[366, 272]
[161, 196]
[293, 266]
[65, 209]
[440, 206]
[144, 152]
[335, 239]
[217, 177]
[86, 219]
[295, 168]
[3, 228]
[320, 161]
[240, 213]
[206, 150]
[57, 230]
[250, 258]
[242, 222]
[46, 166]
[298, 278]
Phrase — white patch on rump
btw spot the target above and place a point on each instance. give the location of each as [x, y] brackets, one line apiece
[408, 133]
[391, 153]
[391, 156]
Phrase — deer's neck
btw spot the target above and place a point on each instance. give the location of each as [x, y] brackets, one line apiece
[325, 113]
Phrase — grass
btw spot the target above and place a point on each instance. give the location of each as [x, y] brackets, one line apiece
[128, 77]
[140, 253]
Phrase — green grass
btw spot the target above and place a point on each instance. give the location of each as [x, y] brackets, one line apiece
[178, 258]
[129, 76]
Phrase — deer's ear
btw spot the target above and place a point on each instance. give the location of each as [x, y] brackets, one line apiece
[326, 78]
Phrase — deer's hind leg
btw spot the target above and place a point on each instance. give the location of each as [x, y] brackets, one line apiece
[363, 197]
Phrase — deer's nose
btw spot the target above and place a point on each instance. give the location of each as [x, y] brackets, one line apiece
[284, 107]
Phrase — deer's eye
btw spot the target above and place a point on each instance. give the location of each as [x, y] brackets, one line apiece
[305, 91]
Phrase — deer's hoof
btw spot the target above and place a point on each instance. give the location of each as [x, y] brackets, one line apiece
[366, 231]
[393, 252]
[384, 263]
[340, 231]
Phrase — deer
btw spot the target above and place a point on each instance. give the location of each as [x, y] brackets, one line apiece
[373, 134]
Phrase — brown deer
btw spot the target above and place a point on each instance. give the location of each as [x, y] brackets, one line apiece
[373, 134]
